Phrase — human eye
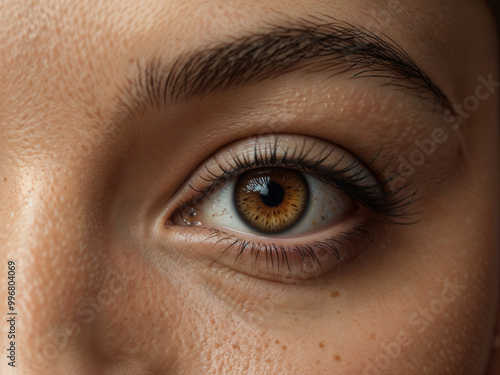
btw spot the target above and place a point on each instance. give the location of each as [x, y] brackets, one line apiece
[286, 207]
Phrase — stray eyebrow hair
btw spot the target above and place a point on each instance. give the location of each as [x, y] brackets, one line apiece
[335, 47]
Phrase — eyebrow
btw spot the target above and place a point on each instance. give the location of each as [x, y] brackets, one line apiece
[335, 47]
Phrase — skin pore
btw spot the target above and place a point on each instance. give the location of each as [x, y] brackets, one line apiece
[94, 170]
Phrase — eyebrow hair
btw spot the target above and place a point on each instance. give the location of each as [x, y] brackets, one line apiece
[335, 47]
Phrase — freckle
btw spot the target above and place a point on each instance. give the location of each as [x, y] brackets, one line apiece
[276, 341]
[338, 312]
[321, 345]
[5, 178]
[334, 294]
[295, 319]
[372, 336]
[337, 358]
[284, 347]
[266, 346]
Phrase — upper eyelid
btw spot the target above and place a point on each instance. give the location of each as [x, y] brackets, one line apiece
[393, 204]
[236, 153]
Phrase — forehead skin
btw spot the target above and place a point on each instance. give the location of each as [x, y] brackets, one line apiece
[67, 220]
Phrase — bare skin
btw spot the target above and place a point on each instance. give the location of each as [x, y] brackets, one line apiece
[90, 178]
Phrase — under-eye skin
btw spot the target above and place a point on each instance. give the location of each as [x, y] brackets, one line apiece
[286, 207]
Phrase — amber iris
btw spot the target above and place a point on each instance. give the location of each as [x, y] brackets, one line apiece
[271, 200]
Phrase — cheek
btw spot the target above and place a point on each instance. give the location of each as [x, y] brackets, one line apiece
[439, 307]
[445, 331]
[164, 318]
[432, 312]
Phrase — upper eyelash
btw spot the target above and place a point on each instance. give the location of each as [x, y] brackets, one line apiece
[393, 204]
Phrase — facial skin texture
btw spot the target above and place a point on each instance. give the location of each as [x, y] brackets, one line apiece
[105, 288]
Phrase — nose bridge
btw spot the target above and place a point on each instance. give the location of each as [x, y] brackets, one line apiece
[82, 295]
[58, 266]
[81, 302]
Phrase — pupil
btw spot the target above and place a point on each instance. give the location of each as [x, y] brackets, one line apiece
[272, 194]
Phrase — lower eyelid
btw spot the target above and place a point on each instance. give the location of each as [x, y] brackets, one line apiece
[285, 255]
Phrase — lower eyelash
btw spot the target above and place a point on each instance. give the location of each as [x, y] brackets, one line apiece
[278, 256]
